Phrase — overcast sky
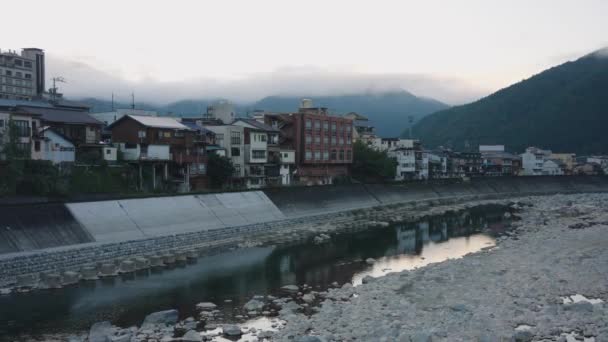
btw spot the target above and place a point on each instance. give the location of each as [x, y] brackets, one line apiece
[454, 51]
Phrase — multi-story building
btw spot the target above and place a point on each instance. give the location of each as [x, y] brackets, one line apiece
[568, 161]
[231, 139]
[26, 127]
[532, 161]
[466, 164]
[168, 147]
[408, 154]
[497, 162]
[222, 111]
[322, 142]
[363, 130]
[22, 75]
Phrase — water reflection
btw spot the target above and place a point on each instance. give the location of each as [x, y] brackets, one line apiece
[240, 274]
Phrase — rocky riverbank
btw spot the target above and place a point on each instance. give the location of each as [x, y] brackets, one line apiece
[517, 291]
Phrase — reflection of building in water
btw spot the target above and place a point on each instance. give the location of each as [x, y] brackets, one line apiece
[423, 228]
[406, 240]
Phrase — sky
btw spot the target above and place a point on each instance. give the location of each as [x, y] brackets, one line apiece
[453, 51]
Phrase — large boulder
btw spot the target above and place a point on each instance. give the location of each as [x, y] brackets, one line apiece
[254, 305]
[101, 332]
[206, 306]
[192, 336]
[166, 317]
[232, 330]
[290, 289]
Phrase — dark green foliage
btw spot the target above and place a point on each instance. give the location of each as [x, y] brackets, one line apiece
[371, 165]
[564, 108]
[219, 170]
[103, 179]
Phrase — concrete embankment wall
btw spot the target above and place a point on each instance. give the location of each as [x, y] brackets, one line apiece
[34, 227]
[297, 202]
[26, 228]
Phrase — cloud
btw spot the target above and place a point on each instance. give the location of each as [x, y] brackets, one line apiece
[84, 80]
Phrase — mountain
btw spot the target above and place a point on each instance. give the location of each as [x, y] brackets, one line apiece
[564, 108]
[388, 112]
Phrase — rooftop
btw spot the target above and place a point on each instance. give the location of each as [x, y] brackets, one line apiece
[256, 124]
[61, 115]
[156, 122]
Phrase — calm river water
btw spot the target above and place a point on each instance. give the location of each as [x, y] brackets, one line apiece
[240, 274]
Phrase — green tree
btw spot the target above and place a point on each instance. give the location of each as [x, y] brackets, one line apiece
[219, 170]
[369, 164]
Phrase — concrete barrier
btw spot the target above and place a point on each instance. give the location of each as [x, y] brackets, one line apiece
[89, 273]
[27, 281]
[108, 270]
[127, 266]
[141, 263]
[51, 280]
[70, 278]
[156, 261]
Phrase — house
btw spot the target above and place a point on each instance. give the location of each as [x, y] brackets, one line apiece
[408, 154]
[497, 162]
[164, 145]
[230, 143]
[322, 142]
[553, 167]
[467, 164]
[567, 159]
[532, 161]
[363, 130]
[262, 159]
[26, 126]
[54, 146]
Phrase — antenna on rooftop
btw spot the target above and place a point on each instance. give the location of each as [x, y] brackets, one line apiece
[54, 89]
[112, 101]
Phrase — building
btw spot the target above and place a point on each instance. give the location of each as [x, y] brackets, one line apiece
[497, 162]
[532, 161]
[230, 140]
[408, 155]
[168, 148]
[26, 127]
[22, 76]
[222, 111]
[262, 153]
[363, 130]
[553, 167]
[467, 164]
[53, 146]
[567, 159]
[109, 117]
[322, 142]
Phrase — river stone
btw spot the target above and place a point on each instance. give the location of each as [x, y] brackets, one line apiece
[192, 336]
[522, 336]
[161, 317]
[206, 306]
[101, 332]
[308, 298]
[307, 339]
[367, 279]
[122, 338]
[370, 261]
[254, 305]
[293, 289]
[232, 330]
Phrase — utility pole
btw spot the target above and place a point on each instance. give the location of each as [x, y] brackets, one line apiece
[133, 101]
[54, 89]
[411, 121]
[112, 101]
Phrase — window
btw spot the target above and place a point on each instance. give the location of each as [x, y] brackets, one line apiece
[349, 128]
[333, 139]
[317, 155]
[1, 123]
[333, 154]
[341, 155]
[317, 125]
[349, 155]
[235, 138]
[333, 127]
[308, 124]
[348, 140]
[263, 137]
[18, 62]
[141, 134]
[27, 65]
[9, 73]
[258, 154]
[19, 74]
[317, 139]
[308, 155]
[179, 134]
[235, 152]
[219, 139]
[325, 125]
[326, 155]
[341, 141]
[22, 127]
[37, 146]
[237, 170]
[167, 134]
[108, 151]
[308, 139]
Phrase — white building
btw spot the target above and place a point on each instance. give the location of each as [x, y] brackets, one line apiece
[406, 163]
[389, 144]
[532, 161]
[553, 167]
[26, 126]
[288, 162]
[54, 147]
[232, 139]
[222, 110]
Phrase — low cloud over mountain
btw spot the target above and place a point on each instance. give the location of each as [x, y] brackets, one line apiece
[84, 80]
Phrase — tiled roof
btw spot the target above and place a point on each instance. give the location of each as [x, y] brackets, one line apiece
[156, 121]
[61, 115]
[258, 125]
